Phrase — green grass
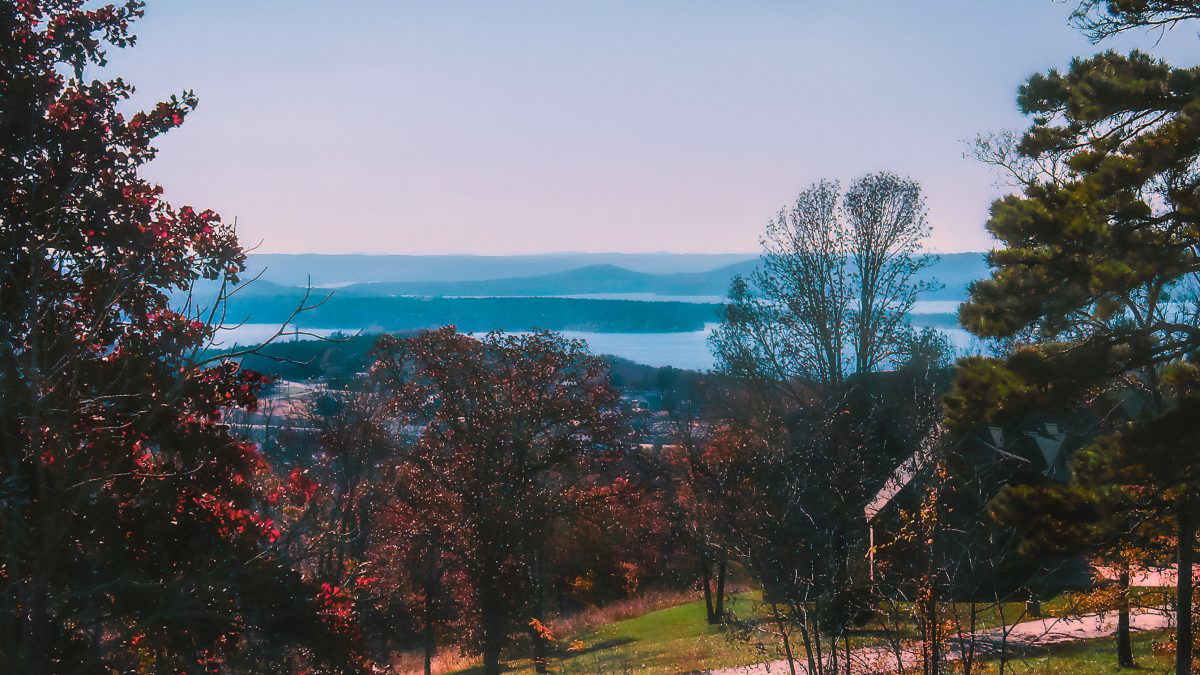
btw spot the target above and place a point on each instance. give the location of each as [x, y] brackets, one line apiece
[1093, 656]
[664, 641]
[679, 639]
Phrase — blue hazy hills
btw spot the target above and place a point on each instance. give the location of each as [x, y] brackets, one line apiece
[628, 293]
[343, 269]
[584, 274]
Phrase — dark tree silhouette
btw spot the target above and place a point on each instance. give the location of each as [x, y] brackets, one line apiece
[134, 525]
[1097, 275]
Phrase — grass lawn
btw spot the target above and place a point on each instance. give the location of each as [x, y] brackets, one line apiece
[664, 641]
[679, 639]
[1093, 656]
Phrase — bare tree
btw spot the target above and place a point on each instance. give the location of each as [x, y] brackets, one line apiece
[827, 308]
[887, 225]
[839, 275]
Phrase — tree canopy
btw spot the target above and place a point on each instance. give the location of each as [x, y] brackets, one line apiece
[135, 525]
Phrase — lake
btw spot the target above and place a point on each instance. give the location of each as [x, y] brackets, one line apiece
[687, 350]
[682, 350]
[250, 334]
[921, 307]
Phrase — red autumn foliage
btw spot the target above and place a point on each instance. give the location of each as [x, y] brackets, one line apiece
[712, 479]
[135, 524]
[513, 436]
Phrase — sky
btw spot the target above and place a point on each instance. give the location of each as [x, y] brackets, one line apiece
[527, 126]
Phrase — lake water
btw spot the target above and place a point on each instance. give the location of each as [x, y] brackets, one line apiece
[936, 307]
[687, 350]
[921, 307]
[682, 350]
[690, 350]
[251, 334]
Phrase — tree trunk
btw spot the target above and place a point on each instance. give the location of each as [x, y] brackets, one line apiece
[491, 650]
[833, 655]
[1183, 603]
[492, 618]
[719, 611]
[809, 650]
[36, 639]
[969, 657]
[815, 632]
[429, 644]
[846, 639]
[540, 651]
[935, 637]
[706, 569]
[787, 645]
[1124, 644]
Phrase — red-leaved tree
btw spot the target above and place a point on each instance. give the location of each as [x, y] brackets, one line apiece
[133, 525]
[712, 474]
[507, 430]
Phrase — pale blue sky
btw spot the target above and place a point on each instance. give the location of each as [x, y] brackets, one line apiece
[521, 126]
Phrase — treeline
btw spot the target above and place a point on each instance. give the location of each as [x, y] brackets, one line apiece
[339, 358]
[472, 314]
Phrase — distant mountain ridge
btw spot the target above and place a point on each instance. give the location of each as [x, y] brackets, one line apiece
[339, 270]
[954, 271]
[592, 279]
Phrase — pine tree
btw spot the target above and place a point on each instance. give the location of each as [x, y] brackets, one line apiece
[1096, 275]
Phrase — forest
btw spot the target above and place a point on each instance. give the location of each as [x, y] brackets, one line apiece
[340, 310]
[842, 494]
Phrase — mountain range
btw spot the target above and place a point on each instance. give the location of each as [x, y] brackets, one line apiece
[389, 276]
[343, 269]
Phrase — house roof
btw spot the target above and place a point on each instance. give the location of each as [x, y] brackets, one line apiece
[904, 474]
